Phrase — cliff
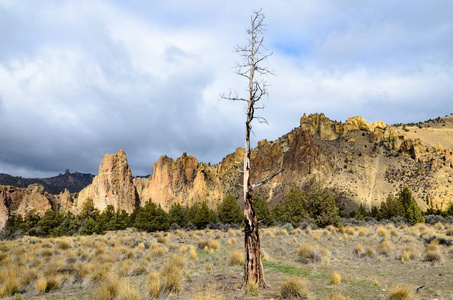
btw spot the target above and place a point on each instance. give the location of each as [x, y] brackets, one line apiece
[363, 162]
[112, 186]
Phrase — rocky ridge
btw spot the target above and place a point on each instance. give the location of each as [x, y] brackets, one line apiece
[363, 162]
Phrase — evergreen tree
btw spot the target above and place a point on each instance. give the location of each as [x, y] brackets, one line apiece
[122, 219]
[321, 205]
[13, 225]
[50, 220]
[88, 219]
[412, 212]
[178, 215]
[204, 215]
[192, 212]
[391, 208]
[229, 210]
[294, 208]
[30, 223]
[151, 218]
[263, 212]
[315, 203]
[67, 228]
[107, 219]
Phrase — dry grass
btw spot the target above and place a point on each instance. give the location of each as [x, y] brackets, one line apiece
[126, 291]
[362, 231]
[236, 258]
[209, 293]
[10, 281]
[193, 254]
[449, 230]
[370, 252]
[433, 255]
[153, 285]
[401, 292]
[309, 254]
[107, 289]
[294, 288]
[264, 255]
[383, 232]
[358, 250]
[335, 278]
[408, 253]
[171, 274]
[251, 290]
[128, 259]
[385, 247]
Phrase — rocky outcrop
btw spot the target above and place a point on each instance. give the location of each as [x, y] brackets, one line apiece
[362, 162]
[112, 186]
[22, 200]
[182, 181]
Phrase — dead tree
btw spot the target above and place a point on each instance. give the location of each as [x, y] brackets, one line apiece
[251, 69]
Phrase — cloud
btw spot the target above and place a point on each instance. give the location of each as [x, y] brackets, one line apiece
[83, 79]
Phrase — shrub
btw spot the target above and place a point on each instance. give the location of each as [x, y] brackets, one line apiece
[433, 255]
[358, 250]
[385, 247]
[335, 278]
[370, 251]
[236, 258]
[401, 292]
[126, 291]
[10, 281]
[107, 289]
[153, 285]
[383, 232]
[251, 289]
[294, 288]
[308, 253]
[171, 275]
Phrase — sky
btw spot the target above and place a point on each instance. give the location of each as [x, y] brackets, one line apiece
[79, 79]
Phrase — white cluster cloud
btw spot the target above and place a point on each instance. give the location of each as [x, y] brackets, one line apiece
[80, 79]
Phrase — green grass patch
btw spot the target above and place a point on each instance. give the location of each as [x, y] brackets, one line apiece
[293, 270]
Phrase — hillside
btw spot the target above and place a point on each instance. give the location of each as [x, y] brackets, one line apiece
[363, 162]
[73, 182]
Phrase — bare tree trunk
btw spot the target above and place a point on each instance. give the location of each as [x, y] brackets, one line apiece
[251, 66]
[253, 269]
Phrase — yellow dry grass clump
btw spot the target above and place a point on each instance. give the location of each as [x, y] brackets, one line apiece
[309, 254]
[335, 278]
[401, 292]
[294, 288]
[236, 258]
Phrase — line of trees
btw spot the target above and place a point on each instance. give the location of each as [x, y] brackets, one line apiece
[403, 205]
[314, 204]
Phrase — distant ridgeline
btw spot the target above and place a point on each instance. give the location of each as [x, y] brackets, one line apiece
[74, 182]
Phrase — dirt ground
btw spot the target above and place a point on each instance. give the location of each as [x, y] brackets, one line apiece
[368, 267]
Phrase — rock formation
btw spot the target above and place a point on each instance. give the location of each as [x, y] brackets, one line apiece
[363, 162]
[23, 200]
[112, 186]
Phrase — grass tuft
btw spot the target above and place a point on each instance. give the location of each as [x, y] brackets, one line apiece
[335, 278]
[236, 258]
[294, 288]
[401, 292]
[308, 253]
[153, 285]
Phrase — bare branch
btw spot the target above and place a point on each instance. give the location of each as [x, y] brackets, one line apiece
[254, 186]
